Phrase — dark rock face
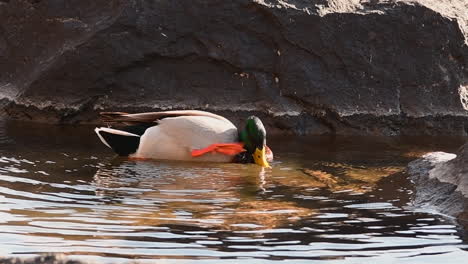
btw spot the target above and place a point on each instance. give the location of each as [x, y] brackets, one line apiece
[441, 182]
[321, 66]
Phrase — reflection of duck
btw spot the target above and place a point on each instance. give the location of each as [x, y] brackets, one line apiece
[214, 196]
[189, 135]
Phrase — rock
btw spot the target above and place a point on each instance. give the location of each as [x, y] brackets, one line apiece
[441, 182]
[307, 67]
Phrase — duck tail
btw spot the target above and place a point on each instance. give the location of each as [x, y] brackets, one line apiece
[122, 142]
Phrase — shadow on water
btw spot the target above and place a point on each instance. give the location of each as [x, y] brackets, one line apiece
[345, 199]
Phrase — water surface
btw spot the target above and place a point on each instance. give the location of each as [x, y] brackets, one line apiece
[326, 199]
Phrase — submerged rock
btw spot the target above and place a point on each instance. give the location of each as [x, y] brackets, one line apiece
[328, 66]
[441, 182]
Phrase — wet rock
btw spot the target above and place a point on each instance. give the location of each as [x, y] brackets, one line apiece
[441, 182]
[308, 67]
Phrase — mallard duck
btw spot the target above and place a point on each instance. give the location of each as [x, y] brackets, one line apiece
[188, 135]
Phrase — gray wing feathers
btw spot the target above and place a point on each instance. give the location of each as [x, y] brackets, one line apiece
[152, 117]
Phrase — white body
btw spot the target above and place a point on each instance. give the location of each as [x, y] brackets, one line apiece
[174, 138]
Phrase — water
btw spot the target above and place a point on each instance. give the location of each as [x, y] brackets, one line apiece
[327, 200]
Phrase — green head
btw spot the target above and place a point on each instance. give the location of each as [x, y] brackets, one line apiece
[254, 139]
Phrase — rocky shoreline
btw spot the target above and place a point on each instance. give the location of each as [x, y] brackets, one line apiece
[333, 66]
[441, 182]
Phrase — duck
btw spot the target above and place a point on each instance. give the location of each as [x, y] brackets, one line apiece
[185, 135]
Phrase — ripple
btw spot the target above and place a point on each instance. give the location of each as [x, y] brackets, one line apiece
[371, 206]
[322, 203]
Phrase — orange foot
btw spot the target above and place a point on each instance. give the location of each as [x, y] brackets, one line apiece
[229, 149]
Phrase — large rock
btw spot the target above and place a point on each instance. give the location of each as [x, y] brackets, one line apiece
[441, 182]
[316, 66]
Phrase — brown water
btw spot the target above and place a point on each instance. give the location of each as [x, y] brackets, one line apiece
[330, 200]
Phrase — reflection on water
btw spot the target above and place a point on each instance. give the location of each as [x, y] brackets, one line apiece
[342, 199]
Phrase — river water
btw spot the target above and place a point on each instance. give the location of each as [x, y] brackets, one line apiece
[326, 200]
